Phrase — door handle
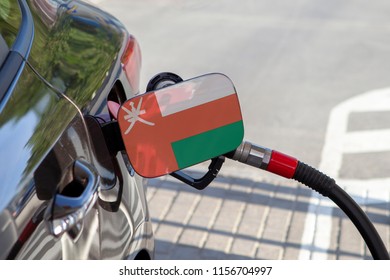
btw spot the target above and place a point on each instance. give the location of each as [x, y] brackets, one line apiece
[71, 206]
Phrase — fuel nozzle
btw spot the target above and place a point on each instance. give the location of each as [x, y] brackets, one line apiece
[265, 158]
[289, 167]
[256, 156]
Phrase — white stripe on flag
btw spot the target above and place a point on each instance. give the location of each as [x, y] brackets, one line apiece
[193, 92]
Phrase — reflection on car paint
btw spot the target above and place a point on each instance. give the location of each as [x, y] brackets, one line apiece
[79, 50]
[75, 60]
[29, 126]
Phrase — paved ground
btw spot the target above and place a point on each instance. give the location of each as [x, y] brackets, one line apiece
[242, 216]
[307, 74]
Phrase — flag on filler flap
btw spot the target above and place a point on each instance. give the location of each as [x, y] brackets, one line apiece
[181, 125]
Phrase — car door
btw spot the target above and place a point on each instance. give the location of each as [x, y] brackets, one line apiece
[48, 176]
[64, 194]
[49, 180]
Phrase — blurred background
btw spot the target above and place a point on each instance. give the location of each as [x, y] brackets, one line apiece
[313, 78]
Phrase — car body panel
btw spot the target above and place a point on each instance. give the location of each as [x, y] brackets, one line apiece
[76, 48]
[30, 125]
[48, 122]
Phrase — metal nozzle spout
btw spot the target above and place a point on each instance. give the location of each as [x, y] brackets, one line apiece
[253, 155]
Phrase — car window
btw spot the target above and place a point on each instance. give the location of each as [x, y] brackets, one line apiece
[10, 19]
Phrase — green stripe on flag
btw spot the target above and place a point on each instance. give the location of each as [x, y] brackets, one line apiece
[207, 145]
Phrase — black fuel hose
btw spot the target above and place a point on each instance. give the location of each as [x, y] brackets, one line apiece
[327, 186]
[289, 167]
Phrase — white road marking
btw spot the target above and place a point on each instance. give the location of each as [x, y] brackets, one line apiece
[318, 224]
[95, 2]
[362, 141]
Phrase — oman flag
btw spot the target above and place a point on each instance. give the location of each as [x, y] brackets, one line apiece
[181, 125]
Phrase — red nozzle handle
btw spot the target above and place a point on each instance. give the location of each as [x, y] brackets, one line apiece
[282, 164]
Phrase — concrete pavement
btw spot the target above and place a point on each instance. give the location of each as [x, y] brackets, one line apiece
[242, 216]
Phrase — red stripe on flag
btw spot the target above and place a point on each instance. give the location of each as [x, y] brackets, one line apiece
[149, 147]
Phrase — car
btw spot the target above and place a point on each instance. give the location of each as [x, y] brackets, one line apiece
[67, 189]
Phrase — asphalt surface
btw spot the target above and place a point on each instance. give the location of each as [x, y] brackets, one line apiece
[313, 81]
